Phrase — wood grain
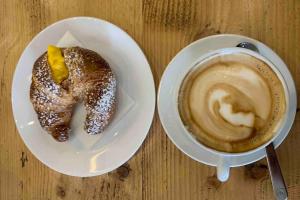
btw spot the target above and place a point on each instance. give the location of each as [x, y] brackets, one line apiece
[158, 170]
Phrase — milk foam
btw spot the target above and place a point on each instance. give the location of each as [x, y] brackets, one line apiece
[232, 102]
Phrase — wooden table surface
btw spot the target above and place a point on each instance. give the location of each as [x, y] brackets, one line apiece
[162, 28]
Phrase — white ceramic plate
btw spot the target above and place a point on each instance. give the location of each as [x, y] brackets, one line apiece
[87, 155]
[167, 98]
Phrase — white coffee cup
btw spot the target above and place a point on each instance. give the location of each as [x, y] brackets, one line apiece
[186, 142]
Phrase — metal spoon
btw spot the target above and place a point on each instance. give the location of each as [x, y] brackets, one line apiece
[248, 45]
[278, 183]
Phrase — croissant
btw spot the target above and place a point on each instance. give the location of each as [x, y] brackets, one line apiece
[90, 79]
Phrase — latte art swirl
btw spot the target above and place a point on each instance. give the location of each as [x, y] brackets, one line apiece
[233, 103]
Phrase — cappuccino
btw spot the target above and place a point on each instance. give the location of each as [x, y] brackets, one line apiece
[232, 102]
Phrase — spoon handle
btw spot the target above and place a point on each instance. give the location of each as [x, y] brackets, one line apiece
[278, 184]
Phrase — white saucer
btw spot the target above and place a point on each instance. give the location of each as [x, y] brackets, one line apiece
[167, 98]
[87, 155]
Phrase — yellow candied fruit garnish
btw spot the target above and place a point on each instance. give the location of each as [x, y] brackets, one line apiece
[58, 67]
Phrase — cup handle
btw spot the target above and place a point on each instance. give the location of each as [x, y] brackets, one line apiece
[223, 171]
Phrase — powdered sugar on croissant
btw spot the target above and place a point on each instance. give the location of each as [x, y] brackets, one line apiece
[90, 80]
